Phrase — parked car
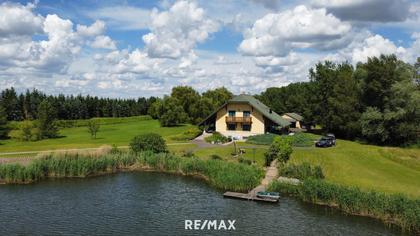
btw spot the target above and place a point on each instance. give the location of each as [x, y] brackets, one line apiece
[324, 142]
[332, 137]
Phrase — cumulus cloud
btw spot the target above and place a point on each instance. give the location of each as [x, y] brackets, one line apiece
[175, 32]
[374, 46]
[19, 20]
[95, 29]
[54, 54]
[104, 42]
[367, 10]
[302, 27]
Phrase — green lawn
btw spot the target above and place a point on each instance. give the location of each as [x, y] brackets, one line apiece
[369, 167]
[79, 137]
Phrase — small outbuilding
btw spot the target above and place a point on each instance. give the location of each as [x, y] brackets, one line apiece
[294, 119]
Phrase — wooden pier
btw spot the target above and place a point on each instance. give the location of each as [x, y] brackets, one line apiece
[248, 196]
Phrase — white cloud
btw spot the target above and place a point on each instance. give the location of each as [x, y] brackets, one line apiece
[367, 10]
[302, 27]
[95, 29]
[19, 20]
[123, 17]
[104, 42]
[175, 32]
[374, 46]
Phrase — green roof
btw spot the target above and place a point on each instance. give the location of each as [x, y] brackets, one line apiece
[294, 116]
[259, 106]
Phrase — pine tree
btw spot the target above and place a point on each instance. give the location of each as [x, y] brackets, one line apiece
[46, 120]
[3, 123]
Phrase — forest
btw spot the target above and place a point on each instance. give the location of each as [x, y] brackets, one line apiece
[377, 101]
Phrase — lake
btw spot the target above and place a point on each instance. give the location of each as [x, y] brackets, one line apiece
[145, 203]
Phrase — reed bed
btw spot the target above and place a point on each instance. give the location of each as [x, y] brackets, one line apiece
[220, 174]
[396, 209]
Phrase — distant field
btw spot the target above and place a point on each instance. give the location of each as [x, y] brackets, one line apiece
[78, 137]
[384, 169]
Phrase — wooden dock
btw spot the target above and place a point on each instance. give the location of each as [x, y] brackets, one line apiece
[247, 196]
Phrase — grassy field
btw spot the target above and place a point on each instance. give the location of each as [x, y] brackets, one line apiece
[79, 137]
[385, 169]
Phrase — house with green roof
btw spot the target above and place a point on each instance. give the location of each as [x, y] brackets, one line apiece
[244, 116]
[294, 119]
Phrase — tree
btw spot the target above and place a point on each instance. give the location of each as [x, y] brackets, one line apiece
[280, 149]
[337, 95]
[218, 96]
[186, 96]
[200, 110]
[173, 114]
[46, 120]
[3, 123]
[11, 104]
[148, 142]
[156, 109]
[93, 127]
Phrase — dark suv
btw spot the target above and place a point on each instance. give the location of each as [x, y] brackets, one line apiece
[326, 141]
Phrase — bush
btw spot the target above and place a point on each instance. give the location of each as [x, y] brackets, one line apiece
[26, 131]
[187, 135]
[280, 149]
[301, 171]
[148, 142]
[217, 137]
[216, 157]
[244, 161]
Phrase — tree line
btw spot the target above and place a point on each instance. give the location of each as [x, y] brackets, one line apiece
[25, 106]
[377, 101]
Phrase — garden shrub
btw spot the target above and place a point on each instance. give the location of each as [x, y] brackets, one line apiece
[217, 137]
[215, 157]
[148, 142]
[280, 149]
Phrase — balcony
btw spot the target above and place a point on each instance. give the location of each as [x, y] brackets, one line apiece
[236, 119]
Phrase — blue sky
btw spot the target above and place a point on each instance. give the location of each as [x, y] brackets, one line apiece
[144, 48]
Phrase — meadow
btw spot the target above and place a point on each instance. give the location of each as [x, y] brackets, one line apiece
[112, 133]
[369, 167]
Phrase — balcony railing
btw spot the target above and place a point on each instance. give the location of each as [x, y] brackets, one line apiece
[236, 119]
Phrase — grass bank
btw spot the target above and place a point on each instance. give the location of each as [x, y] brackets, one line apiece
[395, 209]
[220, 174]
[369, 167]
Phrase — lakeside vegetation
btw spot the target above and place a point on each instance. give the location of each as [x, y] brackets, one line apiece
[220, 174]
[397, 209]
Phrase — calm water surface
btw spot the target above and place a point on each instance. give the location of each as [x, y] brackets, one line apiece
[157, 204]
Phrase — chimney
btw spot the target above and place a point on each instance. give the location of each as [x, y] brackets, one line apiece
[271, 111]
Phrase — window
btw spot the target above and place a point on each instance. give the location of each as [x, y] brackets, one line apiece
[231, 126]
[232, 113]
[246, 127]
[247, 113]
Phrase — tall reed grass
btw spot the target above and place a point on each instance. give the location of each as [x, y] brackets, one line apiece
[395, 209]
[220, 174]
